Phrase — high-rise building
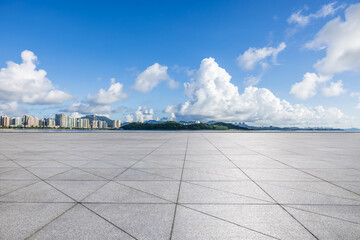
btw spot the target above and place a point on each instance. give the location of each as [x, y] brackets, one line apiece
[117, 124]
[71, 123]
[36, 122]
[61, 120]
[86, 123]
[42, 123]
[30, 121]
[82, 123]
[16, 121]
[102, 124]
[5, 121]
[94, 123]
[50, 122]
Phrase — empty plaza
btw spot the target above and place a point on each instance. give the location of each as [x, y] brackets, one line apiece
[179, 185]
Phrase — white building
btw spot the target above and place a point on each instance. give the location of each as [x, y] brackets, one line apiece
[117, 124]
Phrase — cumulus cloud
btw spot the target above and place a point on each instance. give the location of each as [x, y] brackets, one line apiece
[335, 89]
[151, 77]
[77, 115]
[11, 108]
[142, 114]
[100, 103]
[213, 97]
[87, 108]
[308, 86]
[251, 57]
[23, 83]
[172, 117]
[340, 39]
[302, 20]
[113, 94]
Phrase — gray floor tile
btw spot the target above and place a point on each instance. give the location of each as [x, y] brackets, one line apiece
[268, 219]
[329, 222]
[214, 174]
[309, 193]
[150, 174]
[20, 220]
[314, 176]
[143, 221]
[46, 172]
[222, 193]
[9, 185]
[76, 174]
[80, 223]
[163, 189]
[77, 190]
[116, 193]
[38, 192]
[190, 224]
[278, 175]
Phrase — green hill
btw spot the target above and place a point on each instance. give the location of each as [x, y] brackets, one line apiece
[171, 125]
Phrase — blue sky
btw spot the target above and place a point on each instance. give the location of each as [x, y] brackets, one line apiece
[82, 45]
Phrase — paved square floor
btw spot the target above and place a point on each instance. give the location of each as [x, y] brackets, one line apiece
[179, 185]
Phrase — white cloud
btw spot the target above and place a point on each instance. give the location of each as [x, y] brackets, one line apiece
[335, 89]
[100, 103]
[129, 118]
[213, 97]
[151, 77]
[303, 20]
[252, 80]
[12, 108]
[172, 83]
[87, 108]
[307, 88]
[142, 114]
[172, 117]
[22, 83]
[340, 38]
[113, 94]
[77, 115]
[252, 56]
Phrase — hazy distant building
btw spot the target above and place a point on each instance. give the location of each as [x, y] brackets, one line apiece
[71, 122]
[102, 124]
[5, 121]
[36, 122]
[50, 122]
[116, 123]
[82, 123]
[30, 121]
[42, 123]
[94, 124]
[61, 120]
[86, 123]
[16, 121]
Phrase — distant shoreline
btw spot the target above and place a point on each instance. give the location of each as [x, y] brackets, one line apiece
[2, 130]
[178, 127]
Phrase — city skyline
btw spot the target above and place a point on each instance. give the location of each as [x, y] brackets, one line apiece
[60, 120]
[264, 63]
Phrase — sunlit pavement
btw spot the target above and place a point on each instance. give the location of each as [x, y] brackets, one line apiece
[179, 185]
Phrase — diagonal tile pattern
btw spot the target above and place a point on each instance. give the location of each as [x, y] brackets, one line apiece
[179, 185]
